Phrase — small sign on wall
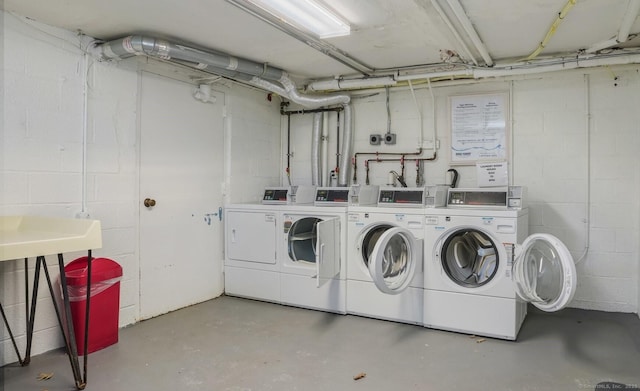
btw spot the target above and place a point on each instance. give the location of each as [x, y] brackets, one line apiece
[492, 174]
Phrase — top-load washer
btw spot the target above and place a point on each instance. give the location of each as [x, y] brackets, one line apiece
[385, 255]
[482, 267]
[313, 248]
[252, 234]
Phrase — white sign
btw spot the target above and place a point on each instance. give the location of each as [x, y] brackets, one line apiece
[492, 174]
[478, 128]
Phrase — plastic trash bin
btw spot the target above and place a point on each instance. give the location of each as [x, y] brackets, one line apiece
[104, 307]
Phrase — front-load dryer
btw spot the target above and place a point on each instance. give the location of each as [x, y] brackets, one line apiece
[313, 248]
[384, 267]
[481, 267]
[252, 235]
[251, 267]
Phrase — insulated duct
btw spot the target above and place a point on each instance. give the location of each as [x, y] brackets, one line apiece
[347, 148]
[260, 75]
[316, 136]
[137, 45]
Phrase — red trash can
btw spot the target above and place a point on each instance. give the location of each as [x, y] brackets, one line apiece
[104, 307]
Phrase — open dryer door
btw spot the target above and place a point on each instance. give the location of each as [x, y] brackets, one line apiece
[328, 250]
[544, 272]
[394, 260]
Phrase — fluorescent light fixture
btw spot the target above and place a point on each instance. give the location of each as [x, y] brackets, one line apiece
[309, 15]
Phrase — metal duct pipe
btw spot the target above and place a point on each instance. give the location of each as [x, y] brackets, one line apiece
[136, 45]
[289, 91]
[316, 136]
[215, 62]
[261, 75]
[347, 148]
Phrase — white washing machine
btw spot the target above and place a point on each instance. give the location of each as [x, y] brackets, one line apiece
[481, 267]
[252, 235]
[313, 249]
[384, 256]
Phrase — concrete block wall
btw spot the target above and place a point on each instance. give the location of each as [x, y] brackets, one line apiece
[253, 126]
[549, 155]
[42, 148]
[42, 170]
[41, 155]
[568, 128]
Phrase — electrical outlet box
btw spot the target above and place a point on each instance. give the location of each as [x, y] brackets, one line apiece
[375, 139]
[83, 215]
[390, 138]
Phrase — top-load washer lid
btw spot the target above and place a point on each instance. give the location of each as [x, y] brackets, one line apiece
[544, 272]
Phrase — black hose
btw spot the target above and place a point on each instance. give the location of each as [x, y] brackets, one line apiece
[454, 180]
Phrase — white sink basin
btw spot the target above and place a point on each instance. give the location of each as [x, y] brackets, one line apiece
[31, 236]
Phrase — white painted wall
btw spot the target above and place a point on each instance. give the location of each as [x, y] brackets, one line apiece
[41, 156]
[549, 157]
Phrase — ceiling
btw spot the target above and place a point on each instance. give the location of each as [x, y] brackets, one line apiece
[387, 36]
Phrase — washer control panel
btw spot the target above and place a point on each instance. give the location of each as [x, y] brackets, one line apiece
[275, 195]
[512, 197]
[402, 197]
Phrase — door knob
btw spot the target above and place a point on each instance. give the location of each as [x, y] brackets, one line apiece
[149, 202]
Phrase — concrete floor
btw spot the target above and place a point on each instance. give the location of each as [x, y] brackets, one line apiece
[236, 344]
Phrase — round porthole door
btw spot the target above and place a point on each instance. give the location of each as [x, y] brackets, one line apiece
[394, 260]
[544, 272]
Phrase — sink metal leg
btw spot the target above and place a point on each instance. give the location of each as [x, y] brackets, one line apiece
[65, 322]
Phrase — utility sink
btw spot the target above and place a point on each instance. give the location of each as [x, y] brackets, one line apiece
[32, 236]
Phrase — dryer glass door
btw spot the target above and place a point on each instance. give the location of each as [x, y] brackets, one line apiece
[544, 272]
[328, 254]
[393, 261]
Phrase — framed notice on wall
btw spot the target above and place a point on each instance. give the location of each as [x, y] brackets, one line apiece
[479, 128]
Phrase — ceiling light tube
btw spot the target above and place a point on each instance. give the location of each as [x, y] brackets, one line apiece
[309, 15]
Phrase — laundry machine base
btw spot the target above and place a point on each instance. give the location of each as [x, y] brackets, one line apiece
[490, 316]
[251, 283]
[302, 291]
[365, 299]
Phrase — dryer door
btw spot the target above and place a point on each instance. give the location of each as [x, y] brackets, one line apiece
[544, 272]
[328, 254]
[394, 259]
